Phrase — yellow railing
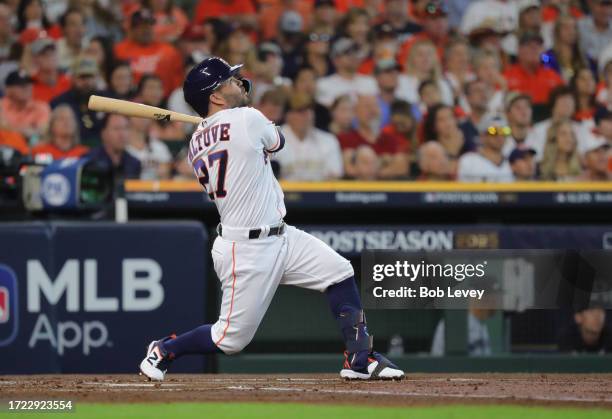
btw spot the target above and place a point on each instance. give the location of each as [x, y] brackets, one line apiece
[379, 186]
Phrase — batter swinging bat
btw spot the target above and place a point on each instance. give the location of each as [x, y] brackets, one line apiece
[127, 108]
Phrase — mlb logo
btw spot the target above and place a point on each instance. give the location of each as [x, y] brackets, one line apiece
[4, 305]
[8, 305]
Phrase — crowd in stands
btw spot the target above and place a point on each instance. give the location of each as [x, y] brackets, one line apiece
[474, 91]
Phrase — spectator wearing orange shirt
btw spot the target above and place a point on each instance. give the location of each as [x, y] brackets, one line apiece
[19, 110]
[13, 140]
[145, 55]
[528, 75]
[48, 81]
[62, 137]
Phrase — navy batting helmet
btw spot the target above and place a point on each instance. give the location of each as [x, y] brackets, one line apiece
[204, 78]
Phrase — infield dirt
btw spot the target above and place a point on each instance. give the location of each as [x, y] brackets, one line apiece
[576, 390]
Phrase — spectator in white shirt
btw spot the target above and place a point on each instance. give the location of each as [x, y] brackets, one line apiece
[563, 106]
[345, 81]
[595, 30]
[310, 154]
[489, 163]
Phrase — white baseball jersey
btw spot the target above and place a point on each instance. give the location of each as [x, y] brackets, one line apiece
[228, 152]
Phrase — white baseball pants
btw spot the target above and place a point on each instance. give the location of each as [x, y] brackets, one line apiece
[251, 270]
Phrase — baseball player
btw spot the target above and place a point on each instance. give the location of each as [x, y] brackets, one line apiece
[255, 251]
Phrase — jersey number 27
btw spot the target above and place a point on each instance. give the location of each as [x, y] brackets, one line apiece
[203, 177]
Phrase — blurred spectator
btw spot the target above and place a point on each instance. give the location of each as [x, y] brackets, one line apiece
[356, 27]
[310, 153]
[62, 139]
[562, 105]
[154, 156]
[429, 96]
[145, 55]
[100, 18]
[433, 162]
[316, 53]
[170, 20]
[12, 63]
[528, 20]
[604, 90]
[238, 48]
[32, 23]
[385, 46]
[396, 15]
[594, 151]
[434, 21]
[583, 84]
[366, 164]
[342, 115]
[120, 81]
[20, 111]
[267, 70]
[306, 82]
[112, 153]
[150, 91]
[238, 11]
[487, 67]
[83, 86]
[7, 38]
[389, 150]
[566, 56]
[519, 114]
[183, 170]
[423, 64]
[71, 45]
[500, 15]
[560, 160]
[589, 331]
[477, 97]
[528, 75]
[457, 61]
[402, 129]
[595, 30]
[324, 16]
[290, 39]
[48, 82]
[522, 164]
[489, 163]
[441, 125]
[345, 81]
[272, 104]
[101, 50]
[603, 120]
[386, 73]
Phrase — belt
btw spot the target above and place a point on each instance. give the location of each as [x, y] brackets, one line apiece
[256, 232]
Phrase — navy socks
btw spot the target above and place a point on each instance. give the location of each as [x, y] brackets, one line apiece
[196, 341]
[342, 296]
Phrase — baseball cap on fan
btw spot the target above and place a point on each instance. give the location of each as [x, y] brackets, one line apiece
[17, 78]
[385, 65]
[343, 46]
[142, 16]
[291, 22]
[591, 141]
[42, 45]
[524, 5]
[494, 125]
[520, 153]
[85, 66]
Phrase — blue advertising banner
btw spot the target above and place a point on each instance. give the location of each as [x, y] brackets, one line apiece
[89, 297]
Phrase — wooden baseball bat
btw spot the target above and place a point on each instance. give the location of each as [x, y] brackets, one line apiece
[127, 108]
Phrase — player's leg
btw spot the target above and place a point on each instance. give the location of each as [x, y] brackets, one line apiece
[314, 265]
[249, 272]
